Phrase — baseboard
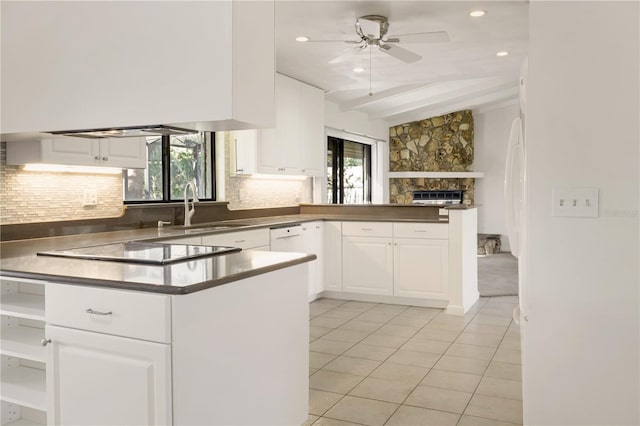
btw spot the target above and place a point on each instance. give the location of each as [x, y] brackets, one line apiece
[392, 300]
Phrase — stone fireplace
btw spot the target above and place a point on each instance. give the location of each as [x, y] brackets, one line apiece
[437, 144]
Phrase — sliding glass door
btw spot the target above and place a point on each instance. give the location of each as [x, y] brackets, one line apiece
[348, 172]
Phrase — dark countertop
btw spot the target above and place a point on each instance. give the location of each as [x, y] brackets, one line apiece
[19, 259]
[177, 278]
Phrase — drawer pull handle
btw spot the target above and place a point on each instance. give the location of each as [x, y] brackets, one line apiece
[240, 241]
[421, 230]
[45, 342]
[367, 229]
[92, 312]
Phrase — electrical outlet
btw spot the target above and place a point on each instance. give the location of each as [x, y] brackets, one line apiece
[574, 202]
[89, 197]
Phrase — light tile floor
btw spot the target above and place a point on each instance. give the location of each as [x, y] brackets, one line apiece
[376, 364]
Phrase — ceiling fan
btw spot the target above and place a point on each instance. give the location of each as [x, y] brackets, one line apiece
[372, 30]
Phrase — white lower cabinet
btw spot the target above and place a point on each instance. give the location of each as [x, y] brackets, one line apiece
[109, 356]
[367, 265]
[420, 268]
[122, 357]
[312, 240]
[391, 259]
[99, 379]
[332, 256]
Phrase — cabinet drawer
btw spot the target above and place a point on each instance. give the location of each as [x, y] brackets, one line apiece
[367, 229]
[438, 231]
[118, 312]
[242, 239]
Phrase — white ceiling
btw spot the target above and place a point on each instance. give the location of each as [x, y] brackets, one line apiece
[463, 73]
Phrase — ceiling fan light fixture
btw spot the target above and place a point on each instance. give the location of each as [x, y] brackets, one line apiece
[358, 69]
[302, 39]
[477, 13]
[502, 53]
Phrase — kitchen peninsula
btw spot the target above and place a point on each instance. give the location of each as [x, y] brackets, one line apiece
[187, 343]
[183, 337]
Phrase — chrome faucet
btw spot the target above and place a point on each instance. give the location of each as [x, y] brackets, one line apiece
[189, 212]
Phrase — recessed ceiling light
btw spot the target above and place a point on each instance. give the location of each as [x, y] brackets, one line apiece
[302, 39]
[502, 53]
[358, 69]
[477, 13]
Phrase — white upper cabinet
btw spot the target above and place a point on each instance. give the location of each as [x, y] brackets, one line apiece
[108, 152]
[81, 65]
[311, 131]
[296, 146]
[243, 152]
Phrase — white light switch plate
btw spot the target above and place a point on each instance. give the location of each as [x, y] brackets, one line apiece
[574, 202]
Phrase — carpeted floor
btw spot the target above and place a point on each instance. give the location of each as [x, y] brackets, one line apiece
[498, 275]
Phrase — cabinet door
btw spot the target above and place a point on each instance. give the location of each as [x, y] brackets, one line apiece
[333, 256]
[129, 153]
[99, 379]
[269, 152]
[288, 123]
[420, 268]
[243, 145]
[312, 233]
[311, 127]
[367, 265]
[71, 151]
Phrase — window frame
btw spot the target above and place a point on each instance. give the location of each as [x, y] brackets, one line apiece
[337, 168]
[166, 175]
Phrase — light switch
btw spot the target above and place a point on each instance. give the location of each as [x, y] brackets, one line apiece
[574, 202]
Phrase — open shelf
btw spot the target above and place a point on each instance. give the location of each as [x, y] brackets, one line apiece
[25, 386]
[23, 305]
[23, 342]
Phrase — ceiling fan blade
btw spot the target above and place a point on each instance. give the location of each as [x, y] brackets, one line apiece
[333, 41]
[429, 37]
[398, 52]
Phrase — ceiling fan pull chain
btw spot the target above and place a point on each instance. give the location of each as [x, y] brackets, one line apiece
[370, 71]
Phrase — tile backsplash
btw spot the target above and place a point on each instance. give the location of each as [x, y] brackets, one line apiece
[28, 197]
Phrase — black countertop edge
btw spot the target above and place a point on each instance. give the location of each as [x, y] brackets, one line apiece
[155, 288]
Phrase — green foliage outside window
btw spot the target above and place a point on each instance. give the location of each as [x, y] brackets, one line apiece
[189, 161]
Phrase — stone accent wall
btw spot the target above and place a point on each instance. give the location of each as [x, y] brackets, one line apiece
[28, 197]
[245, 192]
[437, 144]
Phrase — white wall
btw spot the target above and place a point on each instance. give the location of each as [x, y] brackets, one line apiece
[581, 341]
[357, 122]
[491, 135]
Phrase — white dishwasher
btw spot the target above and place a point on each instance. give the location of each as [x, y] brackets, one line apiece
[287, 239]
